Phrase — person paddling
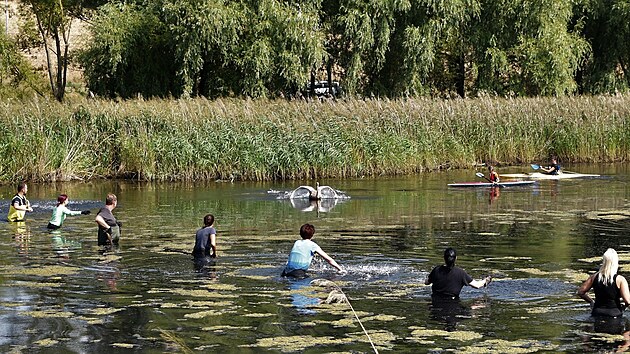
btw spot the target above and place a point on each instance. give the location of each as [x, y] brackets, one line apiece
[61, 211]
[448, 280]
[19, 204]
[494, 176]
[609, 287]
[553, 169]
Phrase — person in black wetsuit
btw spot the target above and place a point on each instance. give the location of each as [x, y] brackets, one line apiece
[448, 280]
[609, 287]
[553, 169]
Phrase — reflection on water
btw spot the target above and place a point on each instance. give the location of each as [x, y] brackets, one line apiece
[60, 292]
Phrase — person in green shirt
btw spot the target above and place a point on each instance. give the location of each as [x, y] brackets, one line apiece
[61, 211]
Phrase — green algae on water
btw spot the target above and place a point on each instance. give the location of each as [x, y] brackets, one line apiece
[45, 271]
[422, 333]
[297, 343]
[500, 346]
[48, 342]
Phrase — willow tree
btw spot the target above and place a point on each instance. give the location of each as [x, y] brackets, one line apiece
[606, 27]
[527, 48]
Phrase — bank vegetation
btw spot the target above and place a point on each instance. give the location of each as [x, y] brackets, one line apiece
[165, 140]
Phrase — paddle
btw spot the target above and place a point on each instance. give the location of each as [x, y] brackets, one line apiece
[481, 175]
[535, 166]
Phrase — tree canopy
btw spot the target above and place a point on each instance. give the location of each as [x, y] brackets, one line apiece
[391, 48]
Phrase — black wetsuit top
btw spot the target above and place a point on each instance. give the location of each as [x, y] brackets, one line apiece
[203, 247]
[607, 298]
[448, 282]
[556, 169]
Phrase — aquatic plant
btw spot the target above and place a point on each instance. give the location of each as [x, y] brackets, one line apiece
[262, 139]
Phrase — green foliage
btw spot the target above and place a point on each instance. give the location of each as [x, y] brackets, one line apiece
[17, 77]
[262, 139]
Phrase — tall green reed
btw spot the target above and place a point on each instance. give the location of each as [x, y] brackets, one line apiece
[262, 139]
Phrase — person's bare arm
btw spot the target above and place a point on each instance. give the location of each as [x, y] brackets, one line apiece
[213, 245]
[622, 283]
[26, 207]
[101, 222]
[329, 259]
[585, 287]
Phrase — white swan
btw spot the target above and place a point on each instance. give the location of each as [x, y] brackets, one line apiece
[320, 192]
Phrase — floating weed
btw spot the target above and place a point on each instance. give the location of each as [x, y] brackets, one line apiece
[382, 338]
[612, 215]
[194, 293]
[344, 322]
[208, 313]
[297, 343]
[47, 271]
[421, 333]
[495, 259]
[384, 318]
[90, 320]
[255, 315]
[103, 311]
[109, 258]
[198, 304]
[602, 337]
[226, 328]
[123, 345]
[501, 346]
[46, 314]
[219, 286]
[46, 342]
[30, 284]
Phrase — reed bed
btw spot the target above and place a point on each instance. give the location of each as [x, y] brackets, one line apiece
[262, 139]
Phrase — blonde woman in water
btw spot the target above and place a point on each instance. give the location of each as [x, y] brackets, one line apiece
[609, 287]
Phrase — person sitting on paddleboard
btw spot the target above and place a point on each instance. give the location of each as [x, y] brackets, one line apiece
[609, 288]
[448, 280]
[61, 211]
[553, 169]
[302, 254]
[494, 176]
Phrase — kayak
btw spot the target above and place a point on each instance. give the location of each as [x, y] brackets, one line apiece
[538, 175]
[488, 184]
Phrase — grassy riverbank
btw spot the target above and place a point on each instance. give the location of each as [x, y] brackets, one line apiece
[260, 139]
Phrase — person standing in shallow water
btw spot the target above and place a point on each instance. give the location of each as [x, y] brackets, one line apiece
[19, 204]
[60, 212]
[448, 280]
[609, 287]
[206, 240]
[302, 254]
[108, 226]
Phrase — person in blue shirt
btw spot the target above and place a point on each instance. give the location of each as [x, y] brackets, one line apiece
[302, 254]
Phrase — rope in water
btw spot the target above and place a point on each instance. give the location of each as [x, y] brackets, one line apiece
[356, 316]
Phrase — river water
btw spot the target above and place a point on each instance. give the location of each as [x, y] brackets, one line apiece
[59, 292]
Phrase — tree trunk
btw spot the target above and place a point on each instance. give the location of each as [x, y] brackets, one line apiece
[461, 76]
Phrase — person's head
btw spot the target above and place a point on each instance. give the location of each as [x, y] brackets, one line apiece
[22, 188]
[307, 231]
[208, 220]
[111, 199]
[610, 265]
[554, 160]
[61, 199]
[449, 257]
[490, 168]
